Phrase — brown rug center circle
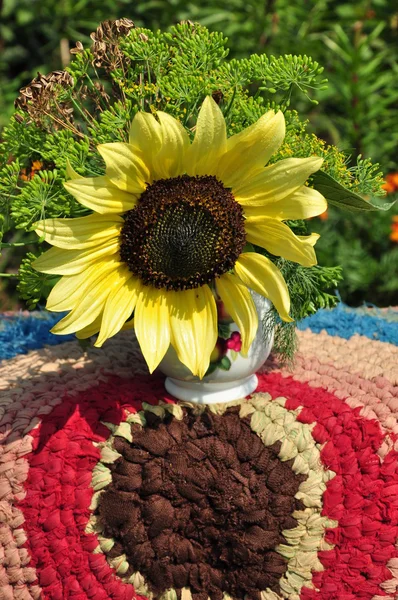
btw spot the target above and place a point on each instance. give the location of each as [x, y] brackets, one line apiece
[200, 503]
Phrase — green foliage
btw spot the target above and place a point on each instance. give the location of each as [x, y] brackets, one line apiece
[51, 25]
[21, 139]
[365, 82]
[32, 285]
[136, 69]
[8, 184]
[338, 195]
[355, 42]
[61, 146]
[195, 48]
[43, 197]
[362, 244]
[287, 72]
[113, 124]
[310, 289]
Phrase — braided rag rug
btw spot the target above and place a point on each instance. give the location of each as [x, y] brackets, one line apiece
[109, 490]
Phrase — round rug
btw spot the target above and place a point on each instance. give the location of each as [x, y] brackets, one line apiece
[110, 490]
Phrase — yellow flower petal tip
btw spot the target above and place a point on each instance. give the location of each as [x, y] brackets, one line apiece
[71, 173]
[318, 162]
[55, 331]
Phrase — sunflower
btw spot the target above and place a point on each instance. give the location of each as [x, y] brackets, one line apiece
[169, 230]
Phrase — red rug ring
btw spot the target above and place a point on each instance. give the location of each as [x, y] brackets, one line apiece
[56, 508]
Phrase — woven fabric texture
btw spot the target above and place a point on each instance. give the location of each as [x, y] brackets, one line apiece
[315, 501]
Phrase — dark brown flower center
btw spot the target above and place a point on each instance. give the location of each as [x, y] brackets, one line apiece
[200, 503]
[183, 233]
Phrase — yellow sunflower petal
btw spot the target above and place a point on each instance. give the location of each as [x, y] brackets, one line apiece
[124, 167]
[170, 161]
[152, 325]
[71, 173]
[100, 194]
[146, 138]
[193, 319]
[210, 140]
[251, 149]
[276, 181]
[79, 233]
[58, 261]
[303, 204]
[261, 275]
[92, 300]
[68, 291]
[240, 305]
[309, 239]
[119, 306]
[91, 329]
[279, 239]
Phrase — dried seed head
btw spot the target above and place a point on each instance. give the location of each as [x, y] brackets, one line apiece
[78, 48]
[105, 48]
[40, 97]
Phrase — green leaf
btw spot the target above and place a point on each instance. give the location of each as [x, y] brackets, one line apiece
[338, 195]
[223, 330]
[224, 364]
[234, 355]
[211, 369]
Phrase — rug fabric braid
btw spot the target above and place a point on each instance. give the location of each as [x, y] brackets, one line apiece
[110, 490]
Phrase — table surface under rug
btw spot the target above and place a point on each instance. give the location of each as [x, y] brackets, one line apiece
[108, 490]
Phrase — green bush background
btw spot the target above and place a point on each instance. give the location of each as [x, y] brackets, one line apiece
[357, 43]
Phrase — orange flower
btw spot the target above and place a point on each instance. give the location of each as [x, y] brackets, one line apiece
[391, 184]
[394, 229]
[26, 174]
[36, 165]
[324, 216]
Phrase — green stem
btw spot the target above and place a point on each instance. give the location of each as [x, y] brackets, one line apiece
[81, 111]
[16, 244]
[148, 72]
[287, 98]
[231, 103]
[102, 101]
[188, 116]
[8, 275]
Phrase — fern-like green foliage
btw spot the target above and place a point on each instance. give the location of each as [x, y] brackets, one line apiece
[43, 197]
[32, 285]
[9, 176]
[286, 72]
[310, 289]
[134, 69]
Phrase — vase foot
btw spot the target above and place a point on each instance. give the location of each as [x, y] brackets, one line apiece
[211, 393]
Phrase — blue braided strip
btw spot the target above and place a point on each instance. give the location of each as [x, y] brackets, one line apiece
[21, 333]
[345, 322]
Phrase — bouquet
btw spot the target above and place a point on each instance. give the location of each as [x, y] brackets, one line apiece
[165, 184]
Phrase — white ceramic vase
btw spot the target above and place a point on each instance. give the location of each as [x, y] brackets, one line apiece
[230, 376]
